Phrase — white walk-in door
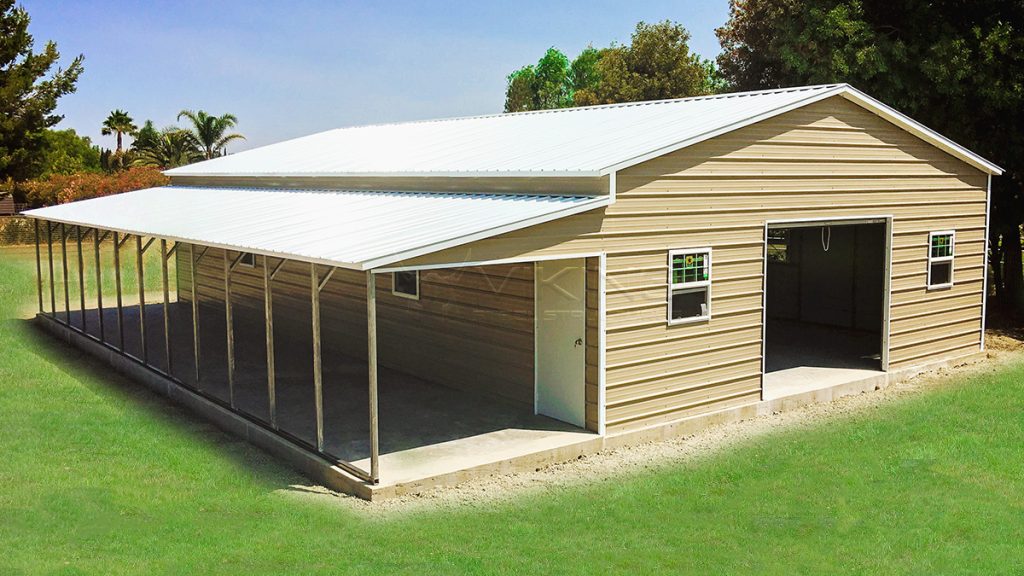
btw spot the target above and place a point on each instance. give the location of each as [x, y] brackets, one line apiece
[561, 339]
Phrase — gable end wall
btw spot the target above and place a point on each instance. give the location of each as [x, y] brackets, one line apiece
[828, 159]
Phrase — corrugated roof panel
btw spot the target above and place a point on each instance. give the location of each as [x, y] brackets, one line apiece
[353, 229]
[579, 140]
[588, 141]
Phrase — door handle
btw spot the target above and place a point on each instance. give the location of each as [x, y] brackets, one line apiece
[578, 342]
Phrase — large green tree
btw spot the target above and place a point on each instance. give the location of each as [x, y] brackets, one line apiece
[68, 153]
[545, 85]
[28, 94]
[656, 64]
[955, 65]
[210, 133]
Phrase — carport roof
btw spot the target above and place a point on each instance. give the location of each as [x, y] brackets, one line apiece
[348, 228]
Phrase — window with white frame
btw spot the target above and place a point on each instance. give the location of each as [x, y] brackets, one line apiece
[689, 285]
[406, 284]
[940, 259]
[248, 259]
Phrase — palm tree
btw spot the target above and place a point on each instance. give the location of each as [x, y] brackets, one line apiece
[210, 132]
[171, 148]
[145, 137]
[119, 122]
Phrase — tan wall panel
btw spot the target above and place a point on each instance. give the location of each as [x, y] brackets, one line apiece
[956, 326]
[471, 328]
[697, 361]
[627, 356]
[909, 324]
[826, 160]
[947, 347]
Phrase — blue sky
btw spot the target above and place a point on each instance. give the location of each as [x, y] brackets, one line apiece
[293, 68]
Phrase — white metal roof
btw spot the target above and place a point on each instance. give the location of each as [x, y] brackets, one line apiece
[589, 141]
[352, 229]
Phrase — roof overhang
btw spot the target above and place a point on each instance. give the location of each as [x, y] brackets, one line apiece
[360, 230]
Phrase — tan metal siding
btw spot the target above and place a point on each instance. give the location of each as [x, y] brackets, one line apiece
[472, 328]
[828, 159]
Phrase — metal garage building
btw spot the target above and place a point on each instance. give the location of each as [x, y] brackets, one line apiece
[400, 305]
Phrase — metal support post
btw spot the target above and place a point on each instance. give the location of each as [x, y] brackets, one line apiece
[64, 273]
[81, 277]
[371, 354]
[167, 304]
[39, 267]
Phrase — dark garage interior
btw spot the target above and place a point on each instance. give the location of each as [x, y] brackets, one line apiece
[825, 299]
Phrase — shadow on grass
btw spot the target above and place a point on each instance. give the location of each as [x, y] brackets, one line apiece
[94, 374]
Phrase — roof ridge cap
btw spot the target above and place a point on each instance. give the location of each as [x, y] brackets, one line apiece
[721, 96]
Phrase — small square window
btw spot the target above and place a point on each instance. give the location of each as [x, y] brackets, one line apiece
[689, 281]
[248, 260]
[406, 284]
[941, 252]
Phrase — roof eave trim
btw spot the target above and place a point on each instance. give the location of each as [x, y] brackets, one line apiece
[420, 174]
[920, 130]
[586, 206]
[199, 242]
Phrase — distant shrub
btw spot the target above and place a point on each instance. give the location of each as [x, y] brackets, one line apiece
[16, 230]
[61, 188]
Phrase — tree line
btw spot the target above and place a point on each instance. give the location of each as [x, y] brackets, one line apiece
[957, 67]
[206, 137]
[41, 165]
[655, 65]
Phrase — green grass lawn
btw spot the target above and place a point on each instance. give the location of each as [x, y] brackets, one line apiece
[98, 476]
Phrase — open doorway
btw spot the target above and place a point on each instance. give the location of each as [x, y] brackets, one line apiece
[825, 302]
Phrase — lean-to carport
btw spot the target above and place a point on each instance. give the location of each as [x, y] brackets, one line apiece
[323, 231]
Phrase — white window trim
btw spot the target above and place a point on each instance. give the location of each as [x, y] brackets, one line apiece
[242, 262]
[403, 294]
[702, 285]
[950, 258]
